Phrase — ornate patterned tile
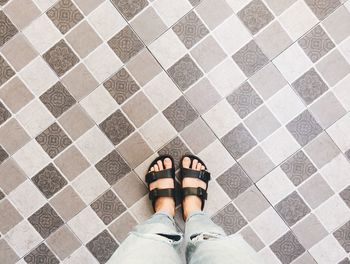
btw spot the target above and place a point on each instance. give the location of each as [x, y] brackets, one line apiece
[102, 246]
[2, 195]
[125, 44]
[45, 220]
[345, 195]
[322, 8]
[176, 148]
[255, 16]
[4, 113]
[112, 167]
[116, 127]
[49, 180]
[53, 140]
[61, 58]
[8, 30]
[190, 29]
[6, 72]
[342, 234]
[41, 254]
[108, 207]
[121, 86]
[64, 15]
[3, 155]
[129, 9]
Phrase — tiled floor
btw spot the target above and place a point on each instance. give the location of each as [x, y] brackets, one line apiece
[91, 91]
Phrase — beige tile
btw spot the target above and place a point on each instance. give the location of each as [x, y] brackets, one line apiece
[171, 11]
[343, 93]
[63, 242]
[76, 122]
[143, 67]
[82, 255]
[9, 216]
[13, 136]
[6, 253]
[337, 24]
[11, 175]
[83, 39]
[65, 197]
[134, 150]
[213, 12]
[19, 52]
[278, 6]
[142, 210]
[122, 226]
[88, 5]
[22, 12]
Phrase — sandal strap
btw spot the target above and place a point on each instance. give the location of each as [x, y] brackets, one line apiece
[156, 193]
[152, 176]
[200, 192]
[201, 174]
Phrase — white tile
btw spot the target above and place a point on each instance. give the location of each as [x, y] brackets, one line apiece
[162, 91]
[237, 5]
[23, 238]
[44, 4]
[338, 130]
[35, 118]
[31, 158]
[217, 158]
[285, 104]
[34, 32]
[327, 251]
[94, 145]
[344, 47]
[142, 169]
[168, 49]
[280, 145]
[292, 63]
[222, 118]
[142, 209]
[226, 77]
[263, 226]
[232, 35]
[27, 198]
[337, 173]
[38, 76]
[158, 131]
[304, 22]
[86, 225]
[268, 256]
[275, 186]
[333, 213]
[82, 255]
[107, 20]
[103, 62]
[171, 11]
[342, 92]
[217, 201]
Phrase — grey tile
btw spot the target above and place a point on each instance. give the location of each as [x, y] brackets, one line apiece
[176, 148]
[180, 114]
[130, 9]
[122, 226]
[229, 219]
[234, 181]
[6, 72]
[41, 254]
[190, 29]
[185, 72]
[244, 100]
[287, 248]
[2, 195]
[3, 155]
[292, 208]
[347, 154]
[252, 238]
[322, 8]
[278, 6]
[316, 43]
[7, 254]
[338, 24]
[342, 234]
[345, 261]
[250, 58]
[4, 113]
[9, 29]
[238, 141]
[345, 195]
[298, 168]
[304, 128]
[102, 246]
[255, 16]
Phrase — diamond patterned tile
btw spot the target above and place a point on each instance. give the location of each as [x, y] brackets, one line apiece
[102, 246]
[41, 254]
[129, 9]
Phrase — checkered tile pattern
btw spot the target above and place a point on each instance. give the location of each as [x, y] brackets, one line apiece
[92, 91]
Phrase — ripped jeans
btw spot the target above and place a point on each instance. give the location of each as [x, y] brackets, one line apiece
[156, 241]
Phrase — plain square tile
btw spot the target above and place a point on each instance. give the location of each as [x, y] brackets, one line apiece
[9, 29]
[88, 5]
[305, 258]
[336, 173]
[333, 67]
[322, 11]
[144, 67]
[106, 20]
[327, 250]
[279, 145]
[337, 130]
[315, 191]
[171, 11]
[142, 210]
[278, 6]
[266, 254]
[208, 53]
[94, 144]
[40, 41]
[337, 24]
[342, 93]
[232, 34]
[82, 255]
[322, 150]
[214, 12]
[65, 197]
[148, 25]
[218, 202]
[21, 18]
[102, 62]
[292, 63]
[139, 109]
[280, 42]
[38, 76]
[83, 39]
[7, 254]
[13, 136]
[10, 167]
[345, 195]
[297, 27]
[44, 4]
[226, 76]
[89, 185]
[122, 226]
[252, 239]
[285, 104]
[9, 216]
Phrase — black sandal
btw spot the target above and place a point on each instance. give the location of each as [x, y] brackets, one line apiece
[203, 175]
[152, 176]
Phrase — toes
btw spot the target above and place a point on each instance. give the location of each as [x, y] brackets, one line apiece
[167, 163]
[186, 162]
[202, 168]
[199, 166]
[194, 164]
[152, 169]
[156, 168]
[160, 164]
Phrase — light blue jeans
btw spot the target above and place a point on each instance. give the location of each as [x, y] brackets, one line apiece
[156, 241]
